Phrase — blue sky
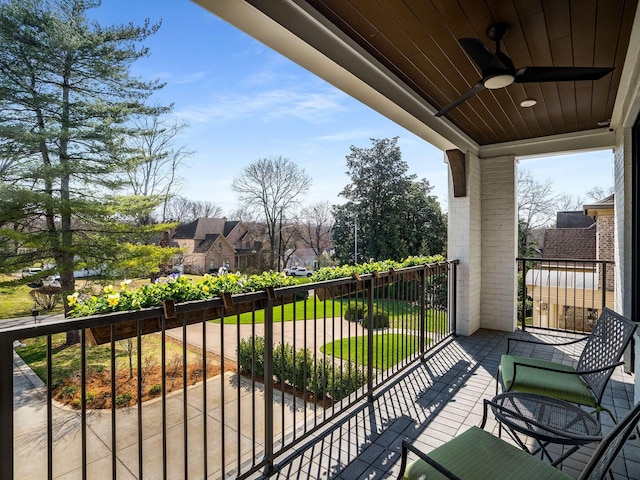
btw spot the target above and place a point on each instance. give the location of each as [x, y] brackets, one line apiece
[244, 101]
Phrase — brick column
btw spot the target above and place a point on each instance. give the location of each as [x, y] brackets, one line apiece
[499, 243]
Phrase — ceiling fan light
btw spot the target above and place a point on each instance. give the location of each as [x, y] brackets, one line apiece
[528, 102]
[498, 81]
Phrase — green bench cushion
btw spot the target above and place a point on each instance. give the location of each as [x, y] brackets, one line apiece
[478, 455]
[552, 384]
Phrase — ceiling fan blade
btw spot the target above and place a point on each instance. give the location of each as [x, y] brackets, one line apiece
[470, 93]
[488, 62]
[560, 74]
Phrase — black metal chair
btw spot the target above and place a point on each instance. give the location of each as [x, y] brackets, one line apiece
[584, 384]
[478, 455]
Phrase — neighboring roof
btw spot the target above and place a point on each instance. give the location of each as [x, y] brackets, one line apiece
[200, 228]
[229, 226]
[207, 243]
[573, 243]
[604, 206]
[573, 219]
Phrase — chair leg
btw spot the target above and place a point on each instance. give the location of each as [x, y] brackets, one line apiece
[403, 464]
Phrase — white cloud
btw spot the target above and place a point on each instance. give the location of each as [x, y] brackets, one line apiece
[315, 107]
[345, 135]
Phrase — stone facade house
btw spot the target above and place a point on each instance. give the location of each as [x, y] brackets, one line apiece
[211, 243]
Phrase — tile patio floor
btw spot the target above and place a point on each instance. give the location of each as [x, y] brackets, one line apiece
[430, 403]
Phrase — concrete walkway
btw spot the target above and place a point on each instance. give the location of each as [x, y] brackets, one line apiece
[243, 405]
[244, 412]
[223, 339]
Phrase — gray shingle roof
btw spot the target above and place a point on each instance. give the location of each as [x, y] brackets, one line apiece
[574, 243]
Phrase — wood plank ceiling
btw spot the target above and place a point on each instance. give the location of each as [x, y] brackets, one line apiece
[418, 41]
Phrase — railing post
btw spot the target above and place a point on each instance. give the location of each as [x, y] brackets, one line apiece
[523, 297]
[423, 316]
[604, 285]
[268, 382]
[370, 340]
[453, 286]
[6, 406]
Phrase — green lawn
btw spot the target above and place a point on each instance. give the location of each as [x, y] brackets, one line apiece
[16, 302]
[401, 314]
[388, 349]
[66, 359]
[317, 309]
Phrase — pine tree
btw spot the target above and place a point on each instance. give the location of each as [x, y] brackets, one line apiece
[68, 97]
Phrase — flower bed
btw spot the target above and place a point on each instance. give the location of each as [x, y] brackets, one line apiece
[177, 288]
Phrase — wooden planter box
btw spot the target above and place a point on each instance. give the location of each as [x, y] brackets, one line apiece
[102, 334]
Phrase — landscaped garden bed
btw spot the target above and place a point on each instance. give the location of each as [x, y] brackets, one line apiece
[66, 361]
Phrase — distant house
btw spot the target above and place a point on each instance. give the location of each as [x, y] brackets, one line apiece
[568, 291]
[212, 243]
[301, 257]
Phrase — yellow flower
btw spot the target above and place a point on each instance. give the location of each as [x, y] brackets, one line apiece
[72, 299]
[113, 299]
[108, 289]
[205, 289]
[124, 283]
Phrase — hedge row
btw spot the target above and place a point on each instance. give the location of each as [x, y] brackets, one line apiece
[300, 369]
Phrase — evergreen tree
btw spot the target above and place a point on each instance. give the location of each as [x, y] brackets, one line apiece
[67, 98]
[390, 211]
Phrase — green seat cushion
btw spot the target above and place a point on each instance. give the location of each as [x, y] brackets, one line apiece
[543, 382]
[478, 455]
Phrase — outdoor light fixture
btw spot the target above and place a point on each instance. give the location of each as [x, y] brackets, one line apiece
[528, 102]
[499, 81]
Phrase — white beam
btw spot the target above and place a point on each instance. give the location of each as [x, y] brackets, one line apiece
[599, 139]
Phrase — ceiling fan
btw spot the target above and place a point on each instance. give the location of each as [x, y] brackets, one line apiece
[498, 70]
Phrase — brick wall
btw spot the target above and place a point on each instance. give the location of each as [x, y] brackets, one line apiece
[605, 245]
[499, 243]
[464, 244]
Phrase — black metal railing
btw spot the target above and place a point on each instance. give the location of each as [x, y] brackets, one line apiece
[242, 379]
[563, 294]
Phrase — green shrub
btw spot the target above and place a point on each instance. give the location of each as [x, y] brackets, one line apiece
[283, 363]
[346, 379]
[380, 320]
[304, 368]
[155, 389]
[317, 382]
[299, 369]
[355, 311]
[68, 391]
[89, 397]
[251, 356]
[123, 399]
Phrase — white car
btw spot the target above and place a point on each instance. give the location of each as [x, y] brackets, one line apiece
[300, 272]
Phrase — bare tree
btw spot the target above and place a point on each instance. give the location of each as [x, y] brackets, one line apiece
[180, 209]
[155, 158]
[568, 203]
[273, 187]
[537, 202]
[316, 225]
[598, 193]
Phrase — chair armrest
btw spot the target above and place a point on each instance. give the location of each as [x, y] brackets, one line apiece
[556, 370]
[540, 342]
[406, 446]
